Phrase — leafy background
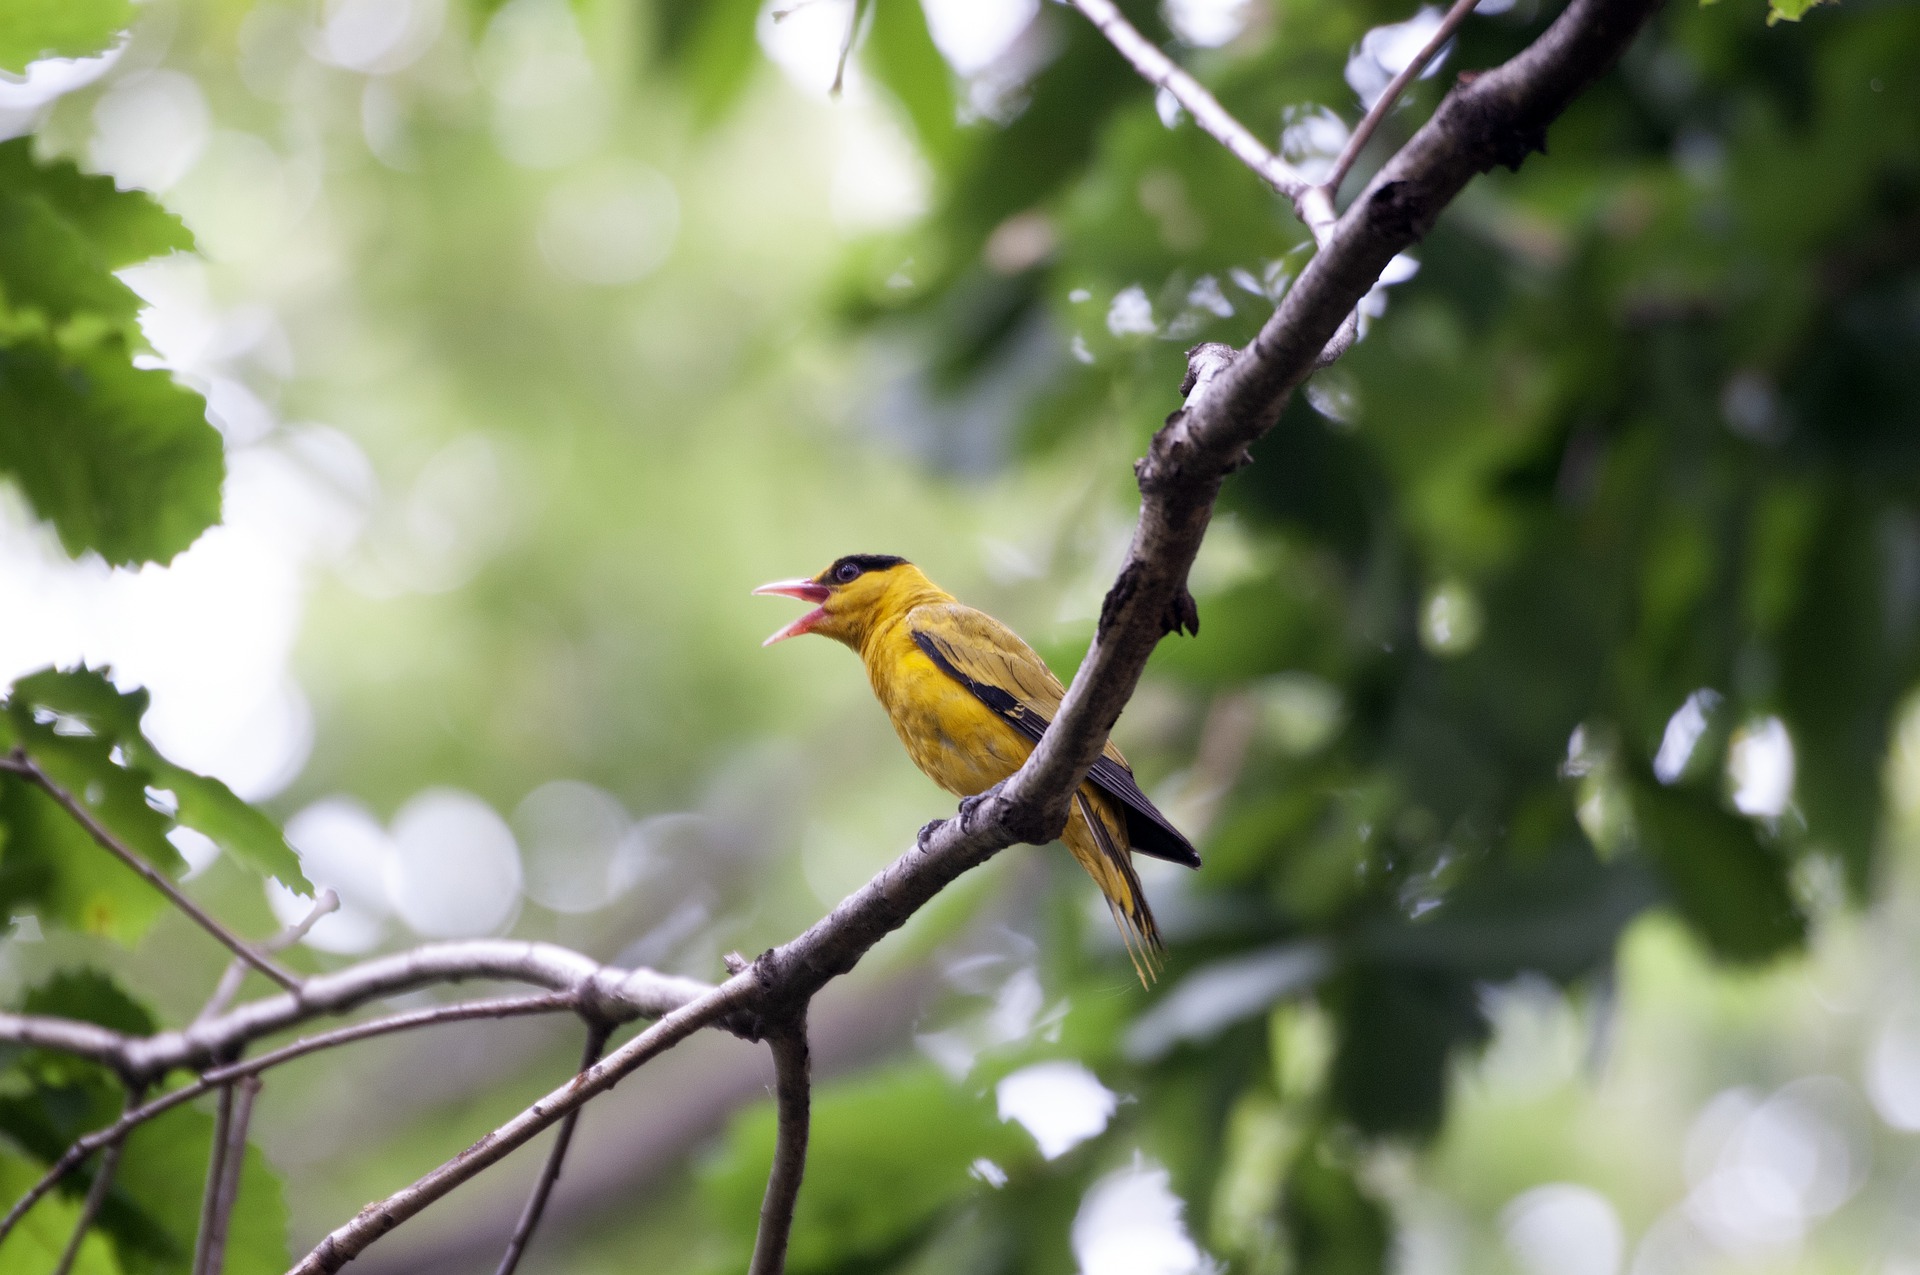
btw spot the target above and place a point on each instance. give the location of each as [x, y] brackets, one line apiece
[1547, 736]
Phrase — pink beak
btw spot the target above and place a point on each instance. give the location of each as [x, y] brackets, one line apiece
[806, 591]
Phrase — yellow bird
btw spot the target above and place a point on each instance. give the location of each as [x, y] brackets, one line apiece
[970, 700]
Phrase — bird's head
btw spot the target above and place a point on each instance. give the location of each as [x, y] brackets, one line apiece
[850, 596]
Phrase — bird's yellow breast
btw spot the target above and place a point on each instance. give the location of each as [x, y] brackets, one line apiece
[959, 742]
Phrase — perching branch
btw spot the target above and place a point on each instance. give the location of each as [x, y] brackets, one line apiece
[20, 764]
[1390, 95]
[1497, 118]
[793, 1096]
[597, 1034]
[502, 1007]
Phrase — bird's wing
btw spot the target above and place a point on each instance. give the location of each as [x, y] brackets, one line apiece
[1008, 676]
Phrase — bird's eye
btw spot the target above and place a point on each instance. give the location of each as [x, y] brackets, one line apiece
[846, 573]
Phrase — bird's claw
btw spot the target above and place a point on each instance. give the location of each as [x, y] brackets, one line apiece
[926, 830]
[970, 804]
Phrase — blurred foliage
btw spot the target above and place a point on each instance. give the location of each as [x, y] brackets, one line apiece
[869, 1131]
[33, 29]
[1620, 487]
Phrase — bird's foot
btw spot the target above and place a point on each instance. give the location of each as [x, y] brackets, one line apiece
[926, 830]
[970, 804]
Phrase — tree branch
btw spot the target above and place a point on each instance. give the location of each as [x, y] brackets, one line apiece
[602, 991]
[793, 1093]
[20, 764]
[1161, 71]
[216, 1171]
[597, 1033]
[223, 1187]
[504, 1007]
[246, 1089]
[1496, 118]
[1384, 104]
[96, 1194]
[346, 1242]
[236, 972]
[1232, 400]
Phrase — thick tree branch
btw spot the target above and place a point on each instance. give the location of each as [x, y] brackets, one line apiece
[503, 1007]
[1389, 96]
[1496, 118]
[793, 1097]
[20, 764]
[597, 1034]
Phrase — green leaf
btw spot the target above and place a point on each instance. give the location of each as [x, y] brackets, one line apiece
[1791, 10]
[87, 697]
[50, 866]
[120, 460]
[35, 1246]
[33, 29]
[91, 996]
[1730, 888]
[63, 232]
[152, 1210]
[901, 52]
[162, 1177]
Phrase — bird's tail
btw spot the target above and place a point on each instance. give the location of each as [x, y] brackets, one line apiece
[1099, 842]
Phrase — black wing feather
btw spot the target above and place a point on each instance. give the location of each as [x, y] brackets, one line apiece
[1149, 831]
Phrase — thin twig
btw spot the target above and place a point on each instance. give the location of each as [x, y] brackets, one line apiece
[232, 1160]
[861, 8]
[793, 1094]
[597, 1033]
[1163, 72]
[216, 1175]
[349, 1240]
[1383, 104]
[236, 972]
[97, 1193]
[501, 1007]
[20, 764]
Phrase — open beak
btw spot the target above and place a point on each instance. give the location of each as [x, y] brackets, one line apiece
[806, 591]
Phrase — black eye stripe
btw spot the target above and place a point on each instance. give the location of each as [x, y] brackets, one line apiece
[846, 570]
